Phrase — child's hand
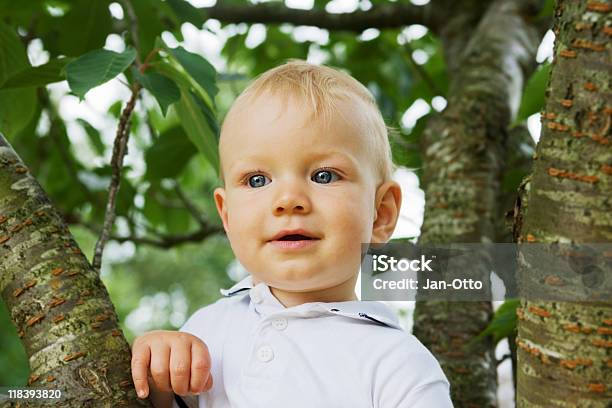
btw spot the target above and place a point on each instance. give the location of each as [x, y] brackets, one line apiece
[178, 362]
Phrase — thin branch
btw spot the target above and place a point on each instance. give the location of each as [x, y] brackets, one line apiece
[133, 22]
[383, 16]
[119, 151]
[169, 241]
[422, 73]
[159, 240]
[119, 147]
[504, 358]
[190, 205]
[395, 15]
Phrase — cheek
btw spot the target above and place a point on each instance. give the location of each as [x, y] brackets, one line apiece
[354, 220]
[242, 221]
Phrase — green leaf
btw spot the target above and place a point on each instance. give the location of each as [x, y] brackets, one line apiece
[85, 27]
[52, 71]
[97, 67]
[17, 106]
[151, 23]
[195, 124]
[503, 323]
[94, 136]
[125, 197]
[199, 69]
[533, 96]
[186, 12]
[547, 10]
[161, 87]
[115, 109]
[173, 220]
[13, 56]
[169, 155]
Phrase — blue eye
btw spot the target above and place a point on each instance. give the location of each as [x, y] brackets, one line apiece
[257, 180]
[324, 177]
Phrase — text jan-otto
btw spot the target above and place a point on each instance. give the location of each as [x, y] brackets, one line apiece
[430, 284]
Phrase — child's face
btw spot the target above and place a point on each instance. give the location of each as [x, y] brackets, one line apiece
[284, 173]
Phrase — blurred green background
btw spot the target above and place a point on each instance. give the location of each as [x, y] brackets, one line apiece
[67, 143]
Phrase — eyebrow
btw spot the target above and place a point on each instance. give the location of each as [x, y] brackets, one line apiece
[251, 161]
[350, 159]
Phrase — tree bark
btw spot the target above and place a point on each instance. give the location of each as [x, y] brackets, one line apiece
[563, 347]
[463, 158]
[58, 304]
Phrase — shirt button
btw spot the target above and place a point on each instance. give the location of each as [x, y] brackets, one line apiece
[279, 323]
[256, 297]
[265, 354]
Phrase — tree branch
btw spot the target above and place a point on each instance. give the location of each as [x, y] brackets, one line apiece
[384, 16]
[119, 151]
[133, 21]
[190, 205]
[169, 241]
[159, 240]
[419, 69]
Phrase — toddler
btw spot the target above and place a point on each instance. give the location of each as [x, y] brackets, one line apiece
[306, 170]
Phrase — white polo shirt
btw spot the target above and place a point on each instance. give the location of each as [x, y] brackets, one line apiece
[346, 354]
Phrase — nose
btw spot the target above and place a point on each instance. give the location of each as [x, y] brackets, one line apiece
[292, 199]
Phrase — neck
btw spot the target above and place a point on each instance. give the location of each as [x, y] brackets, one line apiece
[342, 292]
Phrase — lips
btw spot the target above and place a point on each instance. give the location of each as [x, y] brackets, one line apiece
[294, 235]
[294, 240]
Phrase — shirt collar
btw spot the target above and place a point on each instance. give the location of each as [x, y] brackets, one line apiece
[240, 287]
[266, 303]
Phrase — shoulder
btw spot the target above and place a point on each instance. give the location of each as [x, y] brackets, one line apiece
[408, 374]
[215, 314]
[401, 371]
[384, 348]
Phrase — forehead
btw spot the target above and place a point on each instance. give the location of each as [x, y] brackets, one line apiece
[271, 125]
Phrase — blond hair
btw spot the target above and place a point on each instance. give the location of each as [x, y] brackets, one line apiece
[319, 87]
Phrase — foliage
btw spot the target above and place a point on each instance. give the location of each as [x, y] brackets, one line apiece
[175, 127]
[503, 323]
[13, 355]
[95, 68]
[533, 96]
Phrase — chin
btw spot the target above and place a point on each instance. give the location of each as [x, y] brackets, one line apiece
[304, 283]
[292, 280]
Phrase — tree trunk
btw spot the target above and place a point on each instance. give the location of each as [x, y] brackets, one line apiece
[564, 348]
[57, 302]
[463, 159]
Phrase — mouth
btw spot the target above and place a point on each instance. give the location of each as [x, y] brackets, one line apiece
[294, 235]
[294, 239]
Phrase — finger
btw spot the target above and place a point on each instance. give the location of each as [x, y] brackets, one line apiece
[200, 366]
[141, 356]
[180, 367]
[209, 383]
[160, 362]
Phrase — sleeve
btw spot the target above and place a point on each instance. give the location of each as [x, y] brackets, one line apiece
[204, 322]
[409, 376]
[209, 324]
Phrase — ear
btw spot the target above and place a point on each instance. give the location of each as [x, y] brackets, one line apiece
[387, 205]
[219, 195]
